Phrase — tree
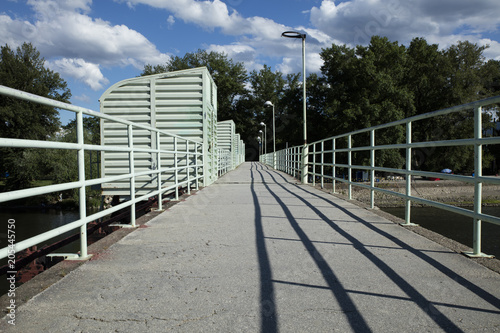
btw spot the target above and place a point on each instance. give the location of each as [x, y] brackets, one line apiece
[229, 77]
[24, 70]
[266, 85]
[459, 77]
[365, 89]
[384, 81]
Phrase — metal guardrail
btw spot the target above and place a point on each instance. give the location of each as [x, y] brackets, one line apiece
[290, 161]
[224, 161]
[187, 151]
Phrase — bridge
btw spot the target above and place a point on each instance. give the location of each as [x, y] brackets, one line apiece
[258, 251]
[255, 248]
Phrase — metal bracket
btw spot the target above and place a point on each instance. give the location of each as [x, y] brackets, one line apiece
[122, 225]
[409, 224]
[477, 255]
[69, 256]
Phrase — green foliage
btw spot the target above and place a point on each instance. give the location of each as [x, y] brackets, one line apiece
[384, 82]
[24, 70]
[266, 85]
[229, 77]
[365, 88]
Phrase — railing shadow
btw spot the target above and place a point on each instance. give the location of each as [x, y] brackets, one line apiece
[269, 321]
[356, 320]
[353, 315]
[488, 297]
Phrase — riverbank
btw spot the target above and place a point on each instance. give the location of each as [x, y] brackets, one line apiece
[445, 191]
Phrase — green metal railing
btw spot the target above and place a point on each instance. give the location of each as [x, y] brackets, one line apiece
[322, 163]
[224, 162]
[187, 169]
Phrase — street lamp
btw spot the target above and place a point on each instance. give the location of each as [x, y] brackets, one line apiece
[265, 137]
[268, 103]
[295, 34]
[258, 150]
[262, 144]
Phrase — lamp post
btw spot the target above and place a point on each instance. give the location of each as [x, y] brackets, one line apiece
[268, 103]
[265, 137]
[295, 34]
[265, 141]
[258, 148]
[261, 144]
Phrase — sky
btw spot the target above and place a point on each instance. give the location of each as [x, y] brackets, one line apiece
[94, 44]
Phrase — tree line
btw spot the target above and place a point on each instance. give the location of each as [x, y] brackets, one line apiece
[357, 87]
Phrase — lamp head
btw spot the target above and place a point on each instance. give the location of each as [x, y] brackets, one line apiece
[262, 123]
[268, 103]
[293, 34]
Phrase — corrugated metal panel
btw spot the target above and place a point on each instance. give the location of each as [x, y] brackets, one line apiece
[225, 139]
[237, 148]
[182, 103]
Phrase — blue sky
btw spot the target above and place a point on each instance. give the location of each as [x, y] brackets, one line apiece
[94, 44]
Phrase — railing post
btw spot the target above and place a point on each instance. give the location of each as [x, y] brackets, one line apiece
[314, 165]
[176, 173]
[349, 163]
[187, 168]
[158, 175]
[289, 160]
[132, 174]
[478, 185]
[305, 162]
[81, 190]
[297, 162]
[322, 164]
[333, 166]
[408, 176]
[196, 164]
[372, 171]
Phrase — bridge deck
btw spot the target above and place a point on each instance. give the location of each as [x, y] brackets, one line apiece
[257, 252]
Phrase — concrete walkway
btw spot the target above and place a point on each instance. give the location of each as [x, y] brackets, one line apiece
[255, 252]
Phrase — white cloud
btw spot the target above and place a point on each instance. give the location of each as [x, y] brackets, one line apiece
[354, 22]
[64, 31]
[81, 70]
[82, 98]
[348, 22]
[258, 36]
[206, 14]
[170, 21]
[237, 52]
[493, 52]
[47, 8]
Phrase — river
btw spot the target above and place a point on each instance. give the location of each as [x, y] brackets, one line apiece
[33, 221]
[455, 226]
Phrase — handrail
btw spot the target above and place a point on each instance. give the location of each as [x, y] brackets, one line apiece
[184, 149]
[290, 161]
[224, 161]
